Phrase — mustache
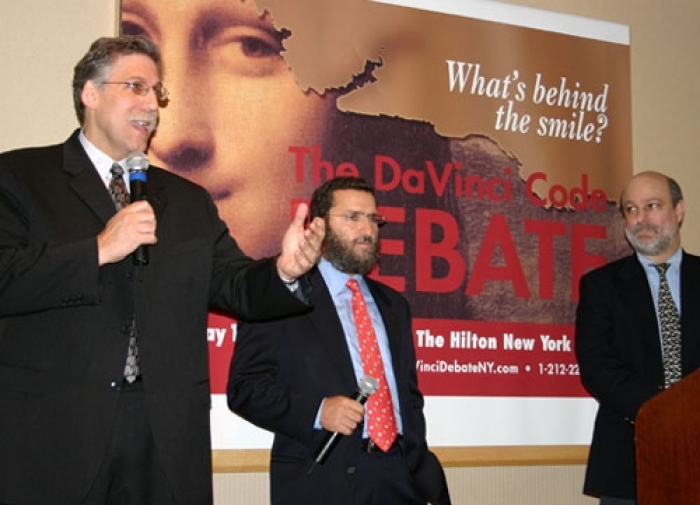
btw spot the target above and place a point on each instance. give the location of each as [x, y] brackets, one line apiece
[645, 227]
[365, 239]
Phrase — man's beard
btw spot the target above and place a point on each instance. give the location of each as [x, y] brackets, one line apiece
[344, 258]
[656, 246]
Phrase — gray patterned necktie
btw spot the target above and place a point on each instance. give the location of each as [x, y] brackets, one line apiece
[117, 187]
[670, 321]
[120, 195]
[132, 369]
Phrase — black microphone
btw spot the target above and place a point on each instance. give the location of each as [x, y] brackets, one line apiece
[365, 387]
[137, 164]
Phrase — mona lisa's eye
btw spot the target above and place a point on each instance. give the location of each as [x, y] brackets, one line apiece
[137, 19]
[245, 49]
[255, 47]
[249, 54]
[133, 28]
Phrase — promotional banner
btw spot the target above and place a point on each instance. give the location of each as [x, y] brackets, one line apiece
[498, 139]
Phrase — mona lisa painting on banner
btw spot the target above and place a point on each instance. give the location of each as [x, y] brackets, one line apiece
[497, 137]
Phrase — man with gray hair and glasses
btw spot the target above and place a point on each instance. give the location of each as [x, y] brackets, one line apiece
[104, 381]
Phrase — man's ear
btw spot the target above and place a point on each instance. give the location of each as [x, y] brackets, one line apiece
[680, 211]
[90, 95]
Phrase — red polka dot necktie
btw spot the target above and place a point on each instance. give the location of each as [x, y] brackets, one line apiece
[381, 423]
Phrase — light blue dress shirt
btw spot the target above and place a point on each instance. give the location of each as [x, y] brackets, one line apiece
[673, 276]
[342, 297]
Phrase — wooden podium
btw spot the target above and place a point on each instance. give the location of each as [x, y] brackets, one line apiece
[668, 446]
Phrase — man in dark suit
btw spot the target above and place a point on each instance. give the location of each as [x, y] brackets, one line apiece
[621, 343]
[296, 376]
[77, 425]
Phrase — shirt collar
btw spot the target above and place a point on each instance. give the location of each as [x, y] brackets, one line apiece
[100, 160]
[674, 261]
[335, 279]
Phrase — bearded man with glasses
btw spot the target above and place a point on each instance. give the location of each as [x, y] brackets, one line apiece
[297, 376]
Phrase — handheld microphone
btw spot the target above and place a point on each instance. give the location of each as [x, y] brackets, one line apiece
[137, 164]
[365, 387]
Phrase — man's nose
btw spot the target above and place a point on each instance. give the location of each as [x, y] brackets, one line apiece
[366, 224]
[643, 215]
[150, 99]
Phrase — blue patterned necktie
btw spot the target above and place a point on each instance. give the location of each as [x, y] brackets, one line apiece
[670, 323]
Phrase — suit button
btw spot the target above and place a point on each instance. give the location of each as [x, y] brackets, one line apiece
[351, 470]
[114, 385]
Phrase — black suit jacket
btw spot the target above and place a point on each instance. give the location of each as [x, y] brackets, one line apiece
[64, 324]
[619, 353]
[281, 371]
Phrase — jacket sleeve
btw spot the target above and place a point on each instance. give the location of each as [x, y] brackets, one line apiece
[256, 390]
[604, 357]
[39, 272]
[246, 288]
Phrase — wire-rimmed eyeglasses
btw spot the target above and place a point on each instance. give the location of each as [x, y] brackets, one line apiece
[356, 217]
[141, 88]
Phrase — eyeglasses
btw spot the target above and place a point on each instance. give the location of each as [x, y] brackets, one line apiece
[141, 88]
[357, 217]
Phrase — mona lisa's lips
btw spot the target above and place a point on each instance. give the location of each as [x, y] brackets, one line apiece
[219, 194]
[218, 190]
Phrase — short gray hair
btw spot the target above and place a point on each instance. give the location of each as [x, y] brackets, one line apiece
[97, 62]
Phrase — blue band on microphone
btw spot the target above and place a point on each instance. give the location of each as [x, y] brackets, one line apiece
[138, 175]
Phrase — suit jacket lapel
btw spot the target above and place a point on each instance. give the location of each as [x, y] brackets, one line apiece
[86, 182]
[329, 328]
[690, 301]
[637, 297]
[156, 191]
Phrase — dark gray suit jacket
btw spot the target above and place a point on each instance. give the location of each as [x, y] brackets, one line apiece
[64, 324]
[280, 372]
[619, 354]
